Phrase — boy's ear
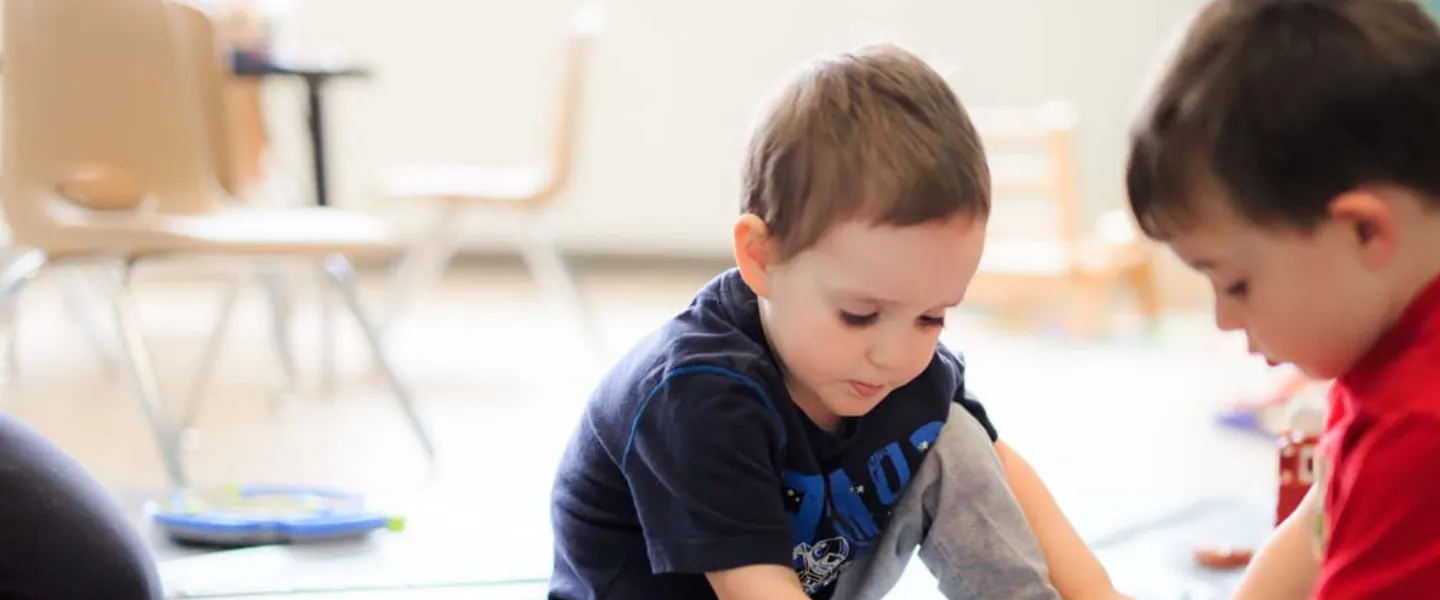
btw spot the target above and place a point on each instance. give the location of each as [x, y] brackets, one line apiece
[754, 253]
[1370, 220]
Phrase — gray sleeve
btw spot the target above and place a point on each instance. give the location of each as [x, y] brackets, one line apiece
[960, 513]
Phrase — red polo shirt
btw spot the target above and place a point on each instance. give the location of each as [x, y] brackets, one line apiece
[1381, 523]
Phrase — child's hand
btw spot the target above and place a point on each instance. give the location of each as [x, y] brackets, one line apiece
[1099, 594]
[1106, 595]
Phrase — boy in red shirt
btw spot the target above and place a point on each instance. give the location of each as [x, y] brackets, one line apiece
[1290, 151]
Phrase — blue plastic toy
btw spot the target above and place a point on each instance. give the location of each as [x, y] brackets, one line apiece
[259, 515]
[1250, 421]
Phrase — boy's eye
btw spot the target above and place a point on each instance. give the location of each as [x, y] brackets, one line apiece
[928, 321]
[1238, 289]
[855, 320]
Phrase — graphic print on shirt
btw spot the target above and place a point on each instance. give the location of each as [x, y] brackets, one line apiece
[834, 520]
[820, 564]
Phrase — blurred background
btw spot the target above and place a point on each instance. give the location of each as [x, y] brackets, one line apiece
[524, 190]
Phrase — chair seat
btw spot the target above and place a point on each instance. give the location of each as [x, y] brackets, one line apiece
[238, 230]
[466, 183]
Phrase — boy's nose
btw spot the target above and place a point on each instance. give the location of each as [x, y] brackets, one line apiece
[886, 352]
[1226, 320]
[880, 356]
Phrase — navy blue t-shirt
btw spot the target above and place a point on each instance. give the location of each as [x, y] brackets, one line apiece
[691, 458]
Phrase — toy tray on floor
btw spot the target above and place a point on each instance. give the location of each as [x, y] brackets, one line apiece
[254, 515]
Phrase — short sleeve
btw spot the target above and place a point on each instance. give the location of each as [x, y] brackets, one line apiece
[963, 395]
[1385, 542]
[967, 401]
[703, 463]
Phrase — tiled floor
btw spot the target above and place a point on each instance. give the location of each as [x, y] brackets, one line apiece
[501, 374]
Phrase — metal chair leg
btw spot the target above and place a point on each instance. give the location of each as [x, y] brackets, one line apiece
[421, 268]
[281, 309]
[280, 320]
[145, 379]
[206, 370]
[327, 342]
[542, 257]
[80, 299]
[18, 272]
[342, 274]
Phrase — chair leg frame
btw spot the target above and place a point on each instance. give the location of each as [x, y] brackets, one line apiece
[200, 382]
[328, 367]
[145, 378]
[79, 298]
[280, 313]
[341, 274]
[546, 264]
[14, 279]
[423, 265]
[17, 273]
[136, 354]
[281, 319]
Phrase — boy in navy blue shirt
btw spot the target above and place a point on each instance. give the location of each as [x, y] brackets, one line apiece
[758, 444]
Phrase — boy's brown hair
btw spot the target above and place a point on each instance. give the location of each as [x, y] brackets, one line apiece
[873, 134]
[1279, 106]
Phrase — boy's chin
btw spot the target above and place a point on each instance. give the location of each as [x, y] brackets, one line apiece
[851, 406]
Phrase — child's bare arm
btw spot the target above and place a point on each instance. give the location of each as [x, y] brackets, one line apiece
[757, 582]
[1074, 570]
[1286, 566]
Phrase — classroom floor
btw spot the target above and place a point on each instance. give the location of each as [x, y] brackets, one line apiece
[1120, 428]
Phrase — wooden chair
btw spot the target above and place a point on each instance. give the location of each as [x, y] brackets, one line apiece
[100, 170]
[1040, 254]
[529, 192]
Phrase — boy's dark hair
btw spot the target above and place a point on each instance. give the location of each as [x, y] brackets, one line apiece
[1278, 106]
[872, 134]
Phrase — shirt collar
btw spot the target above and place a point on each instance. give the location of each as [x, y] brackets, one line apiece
[1419, 322]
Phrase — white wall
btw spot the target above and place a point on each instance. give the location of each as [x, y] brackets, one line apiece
[672, 86]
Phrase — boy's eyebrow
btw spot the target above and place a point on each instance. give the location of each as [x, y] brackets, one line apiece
[868, 298]
[1203, 264]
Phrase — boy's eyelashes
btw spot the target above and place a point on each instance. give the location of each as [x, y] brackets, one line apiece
[862, 320]
[1237, 289]
[930, 321]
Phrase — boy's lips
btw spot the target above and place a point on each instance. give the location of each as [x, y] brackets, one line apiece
[1254, 351]
[865, 390]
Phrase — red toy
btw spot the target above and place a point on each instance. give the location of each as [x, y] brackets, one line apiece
[1297, 471]
[1297, 474]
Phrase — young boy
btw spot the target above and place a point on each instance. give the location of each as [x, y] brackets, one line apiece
[760, 442]
[1291, 153]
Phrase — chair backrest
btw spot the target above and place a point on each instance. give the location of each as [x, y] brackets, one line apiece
[230, 106]
[250, 139]
[100, 86]
[586, 23]
[1034, 186]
